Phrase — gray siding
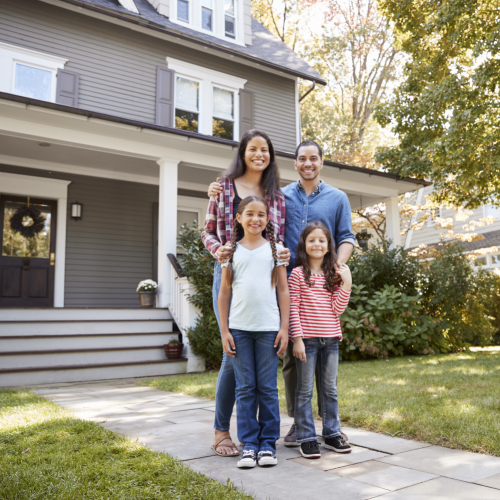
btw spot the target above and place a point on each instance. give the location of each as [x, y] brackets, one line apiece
[110, 249]
[118, 66]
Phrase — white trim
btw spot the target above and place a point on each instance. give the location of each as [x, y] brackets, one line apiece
[297, 112]
[10, 55]
[53, 189]
[409, 234]
[393, 225]
[129, 5]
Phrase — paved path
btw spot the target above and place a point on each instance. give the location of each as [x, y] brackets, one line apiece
[378, 467]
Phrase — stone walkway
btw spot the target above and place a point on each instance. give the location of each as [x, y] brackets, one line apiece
[378, 467]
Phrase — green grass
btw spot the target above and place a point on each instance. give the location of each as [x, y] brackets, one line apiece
[447, 400]
[45, 453]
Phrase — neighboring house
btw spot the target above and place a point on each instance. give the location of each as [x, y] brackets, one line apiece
[114, 118]
[431, 234]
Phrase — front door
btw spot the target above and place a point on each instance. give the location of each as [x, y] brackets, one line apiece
[27, 261]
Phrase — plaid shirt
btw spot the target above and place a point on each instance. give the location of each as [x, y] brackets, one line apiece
[218, 228]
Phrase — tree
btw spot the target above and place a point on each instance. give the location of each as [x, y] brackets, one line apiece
[357, 56]
[445, 112]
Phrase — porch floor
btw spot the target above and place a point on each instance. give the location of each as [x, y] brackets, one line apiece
[378, 467]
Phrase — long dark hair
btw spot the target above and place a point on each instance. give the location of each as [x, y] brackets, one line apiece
[332, 279]
[270, 182]
[238, 234]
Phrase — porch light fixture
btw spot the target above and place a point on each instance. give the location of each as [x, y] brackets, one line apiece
[76, 210]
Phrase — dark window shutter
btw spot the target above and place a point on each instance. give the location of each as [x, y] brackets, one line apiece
[68, 84]
[246, 111]
[165, 85]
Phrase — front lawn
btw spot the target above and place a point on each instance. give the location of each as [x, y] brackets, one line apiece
[447, 400]
[45, 453]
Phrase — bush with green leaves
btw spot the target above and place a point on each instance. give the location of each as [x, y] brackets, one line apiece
[198, 266]
[388, 322]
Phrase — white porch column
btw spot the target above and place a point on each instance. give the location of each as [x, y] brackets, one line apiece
[167, 222]
[392, 225]
[60, 264]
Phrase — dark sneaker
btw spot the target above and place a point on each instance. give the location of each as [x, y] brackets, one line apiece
[267, 458]
[248, 459]
[310, 449]
[291, 437]
[338, 444]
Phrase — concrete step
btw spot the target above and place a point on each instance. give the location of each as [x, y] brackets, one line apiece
[94, 371]
[83, 341]
[74, 357]
[82, 314]
[74, 327]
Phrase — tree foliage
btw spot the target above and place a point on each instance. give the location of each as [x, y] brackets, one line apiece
[445, 112]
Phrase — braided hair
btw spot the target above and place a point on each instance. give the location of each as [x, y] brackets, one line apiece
[238, 234]
[332, 279]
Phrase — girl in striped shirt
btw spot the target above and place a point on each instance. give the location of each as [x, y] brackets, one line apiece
[319, 294]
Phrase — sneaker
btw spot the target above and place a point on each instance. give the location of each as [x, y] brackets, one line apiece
[291, 437]
[267, 458]
[248, 459]
[344, 436]
[310, 449]
[338, 444]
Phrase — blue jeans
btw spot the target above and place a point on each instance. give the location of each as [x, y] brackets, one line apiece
[325, 351]
[256, 370]
[226, 383]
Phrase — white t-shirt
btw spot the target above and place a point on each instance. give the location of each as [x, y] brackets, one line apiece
[254, 303]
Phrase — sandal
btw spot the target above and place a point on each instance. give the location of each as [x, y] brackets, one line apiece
[217, 444]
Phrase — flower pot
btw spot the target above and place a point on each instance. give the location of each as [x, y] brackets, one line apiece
[148, 299]
[363, 243]
[173, 351]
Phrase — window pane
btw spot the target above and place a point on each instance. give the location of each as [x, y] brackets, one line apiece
[495, 259]
[185, 217]
[206, 19]
[183, 10]
[229, 7]
[229, 27]
[206, 3]
[15, 244]
[480, 261]
[223, 129]
[186, 120]
[33, 82]
[187, 94]
[223, 103]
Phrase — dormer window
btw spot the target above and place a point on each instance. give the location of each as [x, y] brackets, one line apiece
[221, 18]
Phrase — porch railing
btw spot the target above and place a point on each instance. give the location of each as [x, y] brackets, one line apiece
[183, 312]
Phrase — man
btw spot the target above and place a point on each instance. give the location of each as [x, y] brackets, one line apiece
[309, 199]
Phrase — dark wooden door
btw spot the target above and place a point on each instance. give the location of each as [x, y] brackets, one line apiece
[27, 264]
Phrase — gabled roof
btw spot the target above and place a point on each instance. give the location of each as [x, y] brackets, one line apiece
[266, 49]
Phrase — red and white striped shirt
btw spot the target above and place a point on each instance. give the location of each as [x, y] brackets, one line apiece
[314, 312]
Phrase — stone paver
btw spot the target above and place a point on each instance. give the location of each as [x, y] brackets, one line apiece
[378, 467]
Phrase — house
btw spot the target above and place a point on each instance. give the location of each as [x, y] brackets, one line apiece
[115, 115]
[486, 250]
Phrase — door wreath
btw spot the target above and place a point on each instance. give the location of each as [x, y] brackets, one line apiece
[27, 221]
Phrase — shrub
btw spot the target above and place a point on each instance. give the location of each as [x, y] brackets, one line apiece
[388, 322]
[198, 266]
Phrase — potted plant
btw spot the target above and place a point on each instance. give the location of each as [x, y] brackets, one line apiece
[363, 238]
[173, 349]
[147, 291]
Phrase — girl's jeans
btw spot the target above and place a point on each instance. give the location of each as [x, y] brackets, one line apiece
[326, 352]
[226, 383]
[256, 369]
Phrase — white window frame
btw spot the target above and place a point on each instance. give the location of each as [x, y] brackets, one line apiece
[208, 79]
[10, 55]
[235, 97]
[497, 217]
[218, 17]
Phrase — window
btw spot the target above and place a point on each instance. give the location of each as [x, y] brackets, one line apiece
[223, 113]
[495, 259]
[206, 101]
[187, 104]
[229, 19]
[29, 73]
[435, 212]
[206, 14]
[183, 10]
[492, 211]
[222, 18]
[189, 218]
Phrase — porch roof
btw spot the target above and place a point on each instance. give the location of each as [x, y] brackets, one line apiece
[406, 183]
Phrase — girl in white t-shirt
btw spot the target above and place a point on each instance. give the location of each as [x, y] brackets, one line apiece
[254, 329]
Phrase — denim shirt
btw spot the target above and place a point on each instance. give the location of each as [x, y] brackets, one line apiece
[326, 204]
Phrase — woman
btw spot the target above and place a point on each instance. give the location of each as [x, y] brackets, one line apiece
[253, 172]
